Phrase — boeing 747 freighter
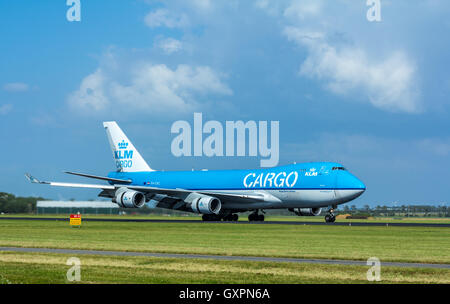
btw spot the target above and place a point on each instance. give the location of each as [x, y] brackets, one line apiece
[304, 189]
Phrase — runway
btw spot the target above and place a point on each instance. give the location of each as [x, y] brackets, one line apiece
[219, 257]
[230, 223]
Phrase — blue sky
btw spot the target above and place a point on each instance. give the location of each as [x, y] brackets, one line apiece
[371, 95]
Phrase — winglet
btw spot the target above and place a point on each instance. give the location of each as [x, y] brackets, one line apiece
[33, 179]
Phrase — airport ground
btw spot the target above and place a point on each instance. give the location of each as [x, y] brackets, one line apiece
[243, 218]
[389, 244]
[24, 268]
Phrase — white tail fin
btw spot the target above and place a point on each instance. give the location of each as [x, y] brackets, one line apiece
[126, 156]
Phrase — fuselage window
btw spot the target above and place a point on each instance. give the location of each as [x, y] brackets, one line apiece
[339, 168]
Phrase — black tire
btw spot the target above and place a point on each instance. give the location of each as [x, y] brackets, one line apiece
[251, 217]
[330, 218]
[235, 217]
[210, 217]
[261, 218]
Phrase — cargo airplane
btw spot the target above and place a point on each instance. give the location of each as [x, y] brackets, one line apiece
[304, 189]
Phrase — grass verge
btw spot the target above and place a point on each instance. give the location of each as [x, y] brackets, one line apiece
[51, 268]
[402, 244]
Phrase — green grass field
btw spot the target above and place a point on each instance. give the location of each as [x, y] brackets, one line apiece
[25, 268]
[403, 244]
[243, 217]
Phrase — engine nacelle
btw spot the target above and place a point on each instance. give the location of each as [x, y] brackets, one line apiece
[206, 205]
[126, 198]
[307, 211]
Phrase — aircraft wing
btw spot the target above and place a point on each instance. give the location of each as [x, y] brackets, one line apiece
[116, 180]
[158, 194]
[182, 193]
[73, 185]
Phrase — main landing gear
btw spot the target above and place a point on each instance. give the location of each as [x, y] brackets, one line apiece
[330, 217]
[217, 218]
[231, 217]
[255, 217]
[211, 218]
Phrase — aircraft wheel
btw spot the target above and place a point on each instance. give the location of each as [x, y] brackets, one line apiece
[210, 217]
[231, 218]
[330, 218]
[253, 217]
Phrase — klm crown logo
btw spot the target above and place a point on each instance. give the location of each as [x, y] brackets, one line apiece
[122, 152]
[123, 145]
[312, 172]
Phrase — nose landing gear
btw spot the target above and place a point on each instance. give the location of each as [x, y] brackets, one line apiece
[330, 217]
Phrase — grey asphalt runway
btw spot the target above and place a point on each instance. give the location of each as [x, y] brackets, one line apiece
[219, 257]
[240, 222]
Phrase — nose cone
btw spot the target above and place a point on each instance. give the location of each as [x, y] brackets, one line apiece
[350, 187]
[356, 187]
[349, 181]
[358, 184]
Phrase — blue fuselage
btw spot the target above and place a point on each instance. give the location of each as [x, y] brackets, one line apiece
[298, 185]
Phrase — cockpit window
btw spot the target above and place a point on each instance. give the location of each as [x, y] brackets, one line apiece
[339, 168]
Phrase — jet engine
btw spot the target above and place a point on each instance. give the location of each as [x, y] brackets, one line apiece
[126, 198]
[206, 205]
[306, 211]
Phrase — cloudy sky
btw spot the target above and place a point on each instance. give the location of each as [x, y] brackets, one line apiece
[371, 95]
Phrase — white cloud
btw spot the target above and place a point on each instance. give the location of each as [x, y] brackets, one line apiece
[170, 45]
[303, 9]
[379, 161]
[438, 146]
[164, 18]
[291, 9]
[91, 94]
[5, 109]
[272, 8]
[369, 151]
[368, 148]
[388, 84]
[153, 88]
[202, 4]
[16, 87]
[340, 147]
